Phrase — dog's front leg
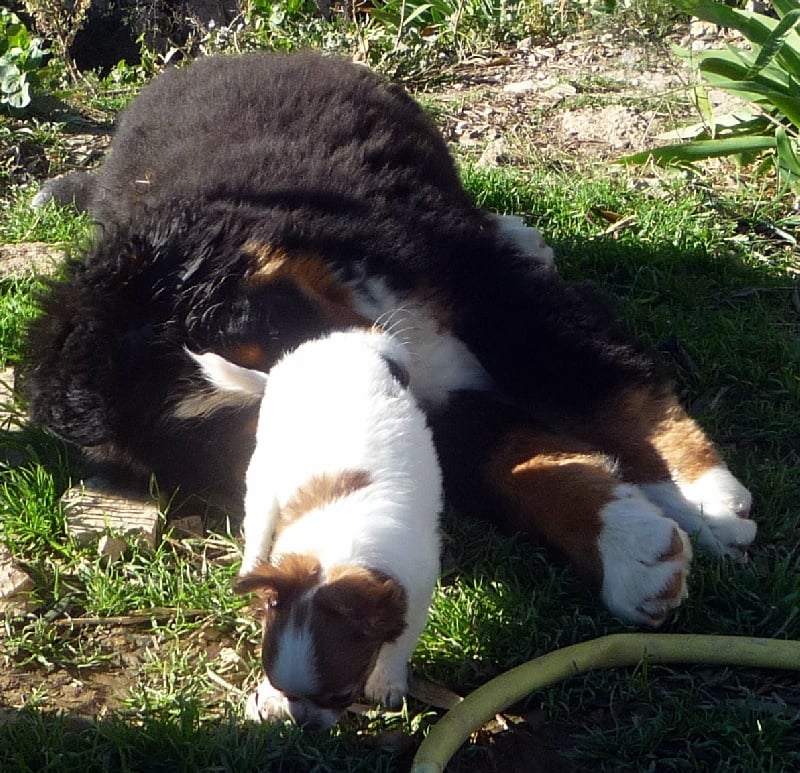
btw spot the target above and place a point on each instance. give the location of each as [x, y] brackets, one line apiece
[261, 515]
[388, 682]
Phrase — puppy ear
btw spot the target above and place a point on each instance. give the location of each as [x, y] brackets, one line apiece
[223, 375]
[283, 582]
[371, 601]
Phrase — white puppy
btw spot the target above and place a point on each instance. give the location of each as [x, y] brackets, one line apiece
[341, 522]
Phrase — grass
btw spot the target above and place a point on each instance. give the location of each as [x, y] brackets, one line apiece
[696, 273]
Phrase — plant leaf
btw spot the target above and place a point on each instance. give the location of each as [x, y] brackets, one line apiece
[754, 26]
[728, 70]
[789, 163]
[775, 42]
[704, 107]
[700, 150]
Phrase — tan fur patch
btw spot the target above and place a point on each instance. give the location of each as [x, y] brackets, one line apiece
[653, 438]
[555, 488]
[249, 355]
[312, 275]
[293, 576]
[320, 490]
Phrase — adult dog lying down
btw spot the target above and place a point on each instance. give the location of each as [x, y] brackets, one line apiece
[249, 204]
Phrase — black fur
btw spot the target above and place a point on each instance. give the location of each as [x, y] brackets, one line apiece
[310, 155]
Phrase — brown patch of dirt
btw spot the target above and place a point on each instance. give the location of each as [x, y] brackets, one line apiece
[89, 693]
[590, 100]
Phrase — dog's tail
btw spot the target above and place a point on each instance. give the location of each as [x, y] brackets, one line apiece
[234, 386]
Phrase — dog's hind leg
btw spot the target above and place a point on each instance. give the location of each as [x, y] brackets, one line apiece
[76, 188]
[669, 457]
[533, 481]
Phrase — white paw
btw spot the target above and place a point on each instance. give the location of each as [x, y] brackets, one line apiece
[715, 507]
[512, 230]
[387, 687]
[645, 558]
[266, 704]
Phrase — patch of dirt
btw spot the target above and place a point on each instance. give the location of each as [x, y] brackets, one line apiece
[588, 100]
[84, 693]
[583, 100]
[18, 260]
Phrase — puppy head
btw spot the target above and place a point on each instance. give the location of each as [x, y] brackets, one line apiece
[322, 633]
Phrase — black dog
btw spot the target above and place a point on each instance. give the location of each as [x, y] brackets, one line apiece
[251, 203]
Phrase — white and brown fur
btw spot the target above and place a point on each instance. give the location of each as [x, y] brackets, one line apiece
[341, 522]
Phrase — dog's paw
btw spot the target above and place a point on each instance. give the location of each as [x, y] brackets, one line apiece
[512, 230]
[645, 559]
[387, 686]
[715, 507]
[266, 704]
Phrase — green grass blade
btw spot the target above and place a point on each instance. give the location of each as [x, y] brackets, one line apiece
[782, 7]
[699, 150]
[789, 106]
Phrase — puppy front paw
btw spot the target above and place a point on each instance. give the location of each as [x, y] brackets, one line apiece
[645, 559]
[266, 704]
[387, 686]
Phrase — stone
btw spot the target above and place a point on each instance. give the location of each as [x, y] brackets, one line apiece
[29, 258]
[94, 510]
[15, 585]
[110, 547]
[190, 526]
[520, 87]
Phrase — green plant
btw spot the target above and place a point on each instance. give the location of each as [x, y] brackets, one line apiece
[61, 22]
[766, 75]
[22, 62]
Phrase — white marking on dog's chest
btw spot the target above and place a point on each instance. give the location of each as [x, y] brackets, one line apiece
[440, 362]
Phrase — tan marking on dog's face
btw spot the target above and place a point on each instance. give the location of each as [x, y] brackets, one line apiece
[249, 355]
[312, 275]
[555, 488]
[320, 490]
[293, 576]
[654, 438]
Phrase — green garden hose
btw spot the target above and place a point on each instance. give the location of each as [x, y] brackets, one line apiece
[626, 649]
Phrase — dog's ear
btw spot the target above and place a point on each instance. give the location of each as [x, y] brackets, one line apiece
[372, 602]
[281, 583]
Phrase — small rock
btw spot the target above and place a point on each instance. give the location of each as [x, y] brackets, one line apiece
[191, 526]
[7, 398]
[110, 547]
[29, 258]
[15, 585]
[93, 510]
[520, 87]
[559, 92]
[495, 153]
